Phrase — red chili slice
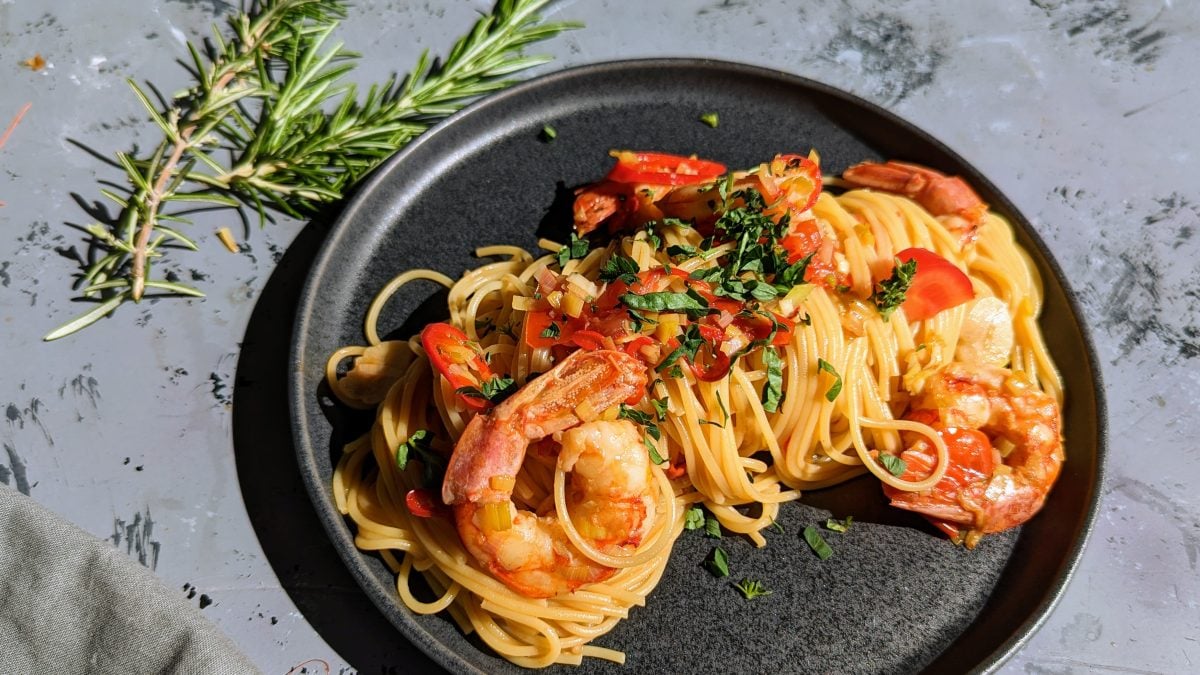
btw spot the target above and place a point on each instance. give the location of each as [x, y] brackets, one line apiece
[660, 168]
[422, 503]
[588, 339]
[458, 360]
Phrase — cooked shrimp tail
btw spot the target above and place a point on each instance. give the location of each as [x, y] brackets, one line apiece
[610, 498]
[947, 196]
[1005, 443]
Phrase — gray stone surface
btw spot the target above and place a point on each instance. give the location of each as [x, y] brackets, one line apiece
[1081, 112]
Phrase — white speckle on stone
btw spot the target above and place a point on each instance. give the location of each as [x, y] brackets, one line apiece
[190, 522]
[75, 79]
[1008, 87]
[94, 64]
[178, 34]
[1000, 126]
[850, 57]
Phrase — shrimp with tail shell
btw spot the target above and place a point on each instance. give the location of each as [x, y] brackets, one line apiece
[1006, 450]
[610, 496]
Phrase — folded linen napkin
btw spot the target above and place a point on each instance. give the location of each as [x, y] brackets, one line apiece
[71, 603]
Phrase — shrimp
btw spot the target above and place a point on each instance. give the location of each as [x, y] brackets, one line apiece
[978, 410]
[375, 371]
[948, 197]
[610, 493]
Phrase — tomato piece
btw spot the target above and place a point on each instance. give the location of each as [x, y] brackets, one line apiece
[937, 285]
[422, 503]
[458, 359]
[804, 240]
[536, 322]
[660, 168]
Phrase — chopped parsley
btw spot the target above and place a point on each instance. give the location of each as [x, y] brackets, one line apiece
[420, 446]
[839, 525]
[772, 395]
[652, 450]
[751, 589]
[712, 527]
[620, 267]
[495, 389]
[776, 526]
[552, 331]
[711, 119]
[813, 536]
[893, 464]
[836, 388]
[549, 133]
[718, 563]
[889, 294]
[578, 248]
[660, 408]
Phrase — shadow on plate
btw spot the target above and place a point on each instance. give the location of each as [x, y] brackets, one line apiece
[292, 537]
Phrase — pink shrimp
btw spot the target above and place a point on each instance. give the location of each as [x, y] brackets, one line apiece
[611, 490]
[974, 408]
[946, 196]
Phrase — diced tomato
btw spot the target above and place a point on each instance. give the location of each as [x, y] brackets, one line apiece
[536, 323]
[713, 368]
[804, 240]
[422, 503]
[458, 359]
[936, 286]
[634, 346]
[660, 168]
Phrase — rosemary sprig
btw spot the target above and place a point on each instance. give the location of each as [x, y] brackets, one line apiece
[271, 97]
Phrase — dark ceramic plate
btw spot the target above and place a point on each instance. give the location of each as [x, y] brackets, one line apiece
[895, 597]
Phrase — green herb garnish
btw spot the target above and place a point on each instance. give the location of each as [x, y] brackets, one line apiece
[578, 248]
[711, 119]
[839, 525]
[712, 527]
[718, 563]
[549, 133]
[893, 464]
[495, 389]
[419, 445]
[813, 536]
[694, 518]
[772, 395]
[751, 589]
[836, 388]
[890, 293]
[552, 331]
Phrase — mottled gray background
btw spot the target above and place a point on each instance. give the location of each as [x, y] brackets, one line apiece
[1082, 112]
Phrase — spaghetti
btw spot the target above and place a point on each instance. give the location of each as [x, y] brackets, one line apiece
[792, 338]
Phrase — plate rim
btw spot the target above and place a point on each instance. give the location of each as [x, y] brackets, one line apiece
[320, 494]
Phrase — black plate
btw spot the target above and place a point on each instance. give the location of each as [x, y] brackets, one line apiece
[895, 597]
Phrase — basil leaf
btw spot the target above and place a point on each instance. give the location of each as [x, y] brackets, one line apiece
[660, 408]
[620, 267]
[578, 248]
[718, 563]
[817, 543]
[654, 456]
[408, 447]
[419, 443]
[633, 414]
[893, 464]
[836, 387]
[772, 395]
[665, 302]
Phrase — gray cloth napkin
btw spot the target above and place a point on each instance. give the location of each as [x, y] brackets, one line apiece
[71, 603]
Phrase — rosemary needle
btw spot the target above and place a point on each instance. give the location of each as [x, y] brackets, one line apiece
[270, 99]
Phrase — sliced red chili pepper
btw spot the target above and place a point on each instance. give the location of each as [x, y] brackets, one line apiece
[457, 359]
[588, 339]
[677, 468]
[634, 346]
[660, 168]
[937, 285]
[715, 368]
[422, 503]
[800, 177]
